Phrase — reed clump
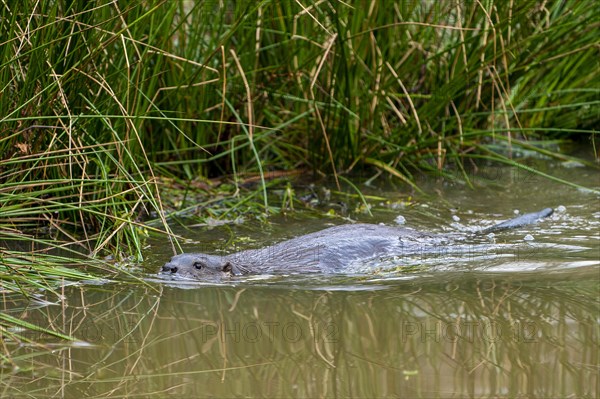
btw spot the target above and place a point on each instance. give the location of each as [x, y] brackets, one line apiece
[100, 100]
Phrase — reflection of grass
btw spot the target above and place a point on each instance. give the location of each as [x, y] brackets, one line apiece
[26, 272]
[48, 270]
[8, 321]
[401, 339]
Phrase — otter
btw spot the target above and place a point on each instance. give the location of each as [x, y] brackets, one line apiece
[331, 250]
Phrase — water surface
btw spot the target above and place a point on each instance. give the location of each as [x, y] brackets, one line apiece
[515, 318]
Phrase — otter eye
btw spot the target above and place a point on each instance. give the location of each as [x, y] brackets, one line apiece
[198, 265]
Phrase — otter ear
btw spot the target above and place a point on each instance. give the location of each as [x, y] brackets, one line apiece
[227, 268]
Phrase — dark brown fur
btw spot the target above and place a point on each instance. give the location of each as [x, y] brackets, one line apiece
[329, 250]
[332, 250]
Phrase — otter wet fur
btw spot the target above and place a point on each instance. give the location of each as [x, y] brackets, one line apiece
[331, 250]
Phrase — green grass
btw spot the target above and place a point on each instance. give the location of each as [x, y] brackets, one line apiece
[102, 101]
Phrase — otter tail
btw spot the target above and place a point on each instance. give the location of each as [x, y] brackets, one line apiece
[528, 218]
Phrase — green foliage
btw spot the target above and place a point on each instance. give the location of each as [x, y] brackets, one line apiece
[100, 99]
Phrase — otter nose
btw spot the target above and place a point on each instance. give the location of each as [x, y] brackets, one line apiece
[169, 268]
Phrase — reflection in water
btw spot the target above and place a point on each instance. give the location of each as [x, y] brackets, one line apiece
[462, 335]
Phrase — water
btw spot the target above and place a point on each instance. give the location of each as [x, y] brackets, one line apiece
[514, 318]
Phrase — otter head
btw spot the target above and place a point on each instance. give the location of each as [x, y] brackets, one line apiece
[199, 266]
